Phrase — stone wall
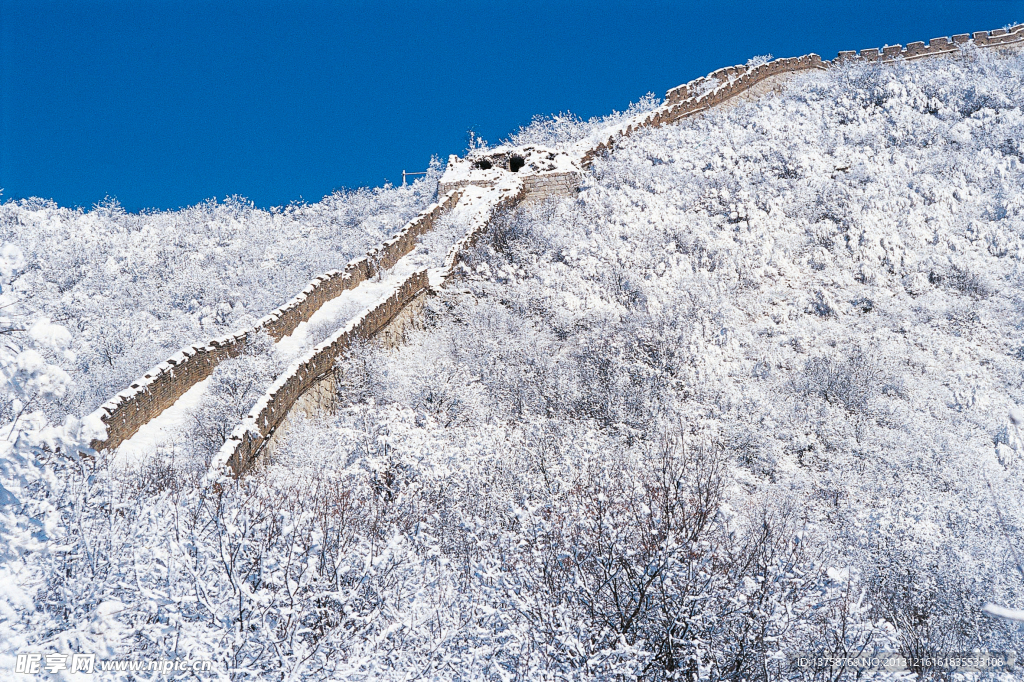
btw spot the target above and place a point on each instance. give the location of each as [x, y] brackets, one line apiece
[544, 171]
[938, 46]
[163, 385]
[159, 388]
[724, 84]
[242, 447]
[309, 387]
[322, 395]
[702, 94]
[540, 187]
[452, 186]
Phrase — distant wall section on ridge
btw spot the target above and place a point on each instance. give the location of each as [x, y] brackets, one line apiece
[719, 86]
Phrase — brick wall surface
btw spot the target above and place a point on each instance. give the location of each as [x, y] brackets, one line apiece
[542, 186]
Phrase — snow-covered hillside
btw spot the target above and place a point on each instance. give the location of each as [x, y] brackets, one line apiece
[135, 288]
[823, 291]
[757, 392]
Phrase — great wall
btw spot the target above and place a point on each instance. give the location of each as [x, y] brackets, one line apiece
[486, 181]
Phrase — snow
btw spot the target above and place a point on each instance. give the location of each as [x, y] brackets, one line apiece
[48, 334]
[332, 314]
[139, 287]
[764, 372]
[1001, 612]
[169, 427]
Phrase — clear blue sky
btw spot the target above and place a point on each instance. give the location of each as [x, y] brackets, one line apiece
[164, 104]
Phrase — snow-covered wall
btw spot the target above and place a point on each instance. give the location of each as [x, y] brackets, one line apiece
[539, 187]
[159, 388]
[243, 447]
[937, 46]
[724, 84]
[548, 172]
[480, 225]
[542, 172]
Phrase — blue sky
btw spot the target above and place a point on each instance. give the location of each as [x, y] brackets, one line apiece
[165, 104]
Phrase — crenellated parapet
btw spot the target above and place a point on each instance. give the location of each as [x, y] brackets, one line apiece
[247, 441]
[240, 450]
[937, 46]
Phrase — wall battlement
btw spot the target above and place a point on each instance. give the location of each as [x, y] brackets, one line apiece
[937, 46]
[242, 446]
[258, 428]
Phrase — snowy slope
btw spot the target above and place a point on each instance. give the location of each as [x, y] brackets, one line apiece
[135, 288]
[756, 393]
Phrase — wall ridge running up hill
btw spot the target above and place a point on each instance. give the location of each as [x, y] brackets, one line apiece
[243, 446]
[160, 387]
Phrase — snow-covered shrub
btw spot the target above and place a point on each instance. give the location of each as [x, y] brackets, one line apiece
[30, 450]
[852, 382]
[631, 572]
[931, 608]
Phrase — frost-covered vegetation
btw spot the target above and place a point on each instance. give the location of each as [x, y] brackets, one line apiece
[182, 442]
[565, 130]
[757, 391]
[135, 288]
